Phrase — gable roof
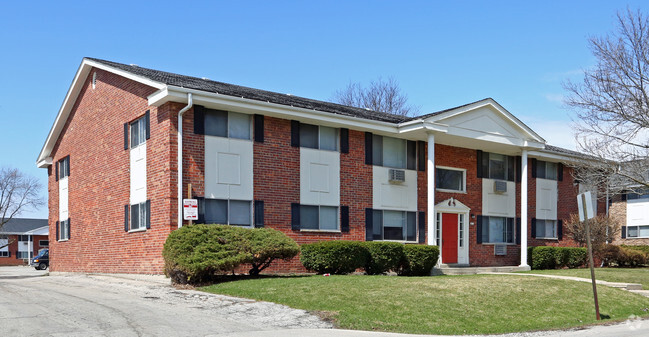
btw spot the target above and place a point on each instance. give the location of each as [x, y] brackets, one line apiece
[20, 226]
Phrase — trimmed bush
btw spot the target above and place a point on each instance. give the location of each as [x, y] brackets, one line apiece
[543, 258]
[618, 256]
[383, 257]
[419, 260]
[197, 253]
[334, 257]
[577, 257]
[546, 257]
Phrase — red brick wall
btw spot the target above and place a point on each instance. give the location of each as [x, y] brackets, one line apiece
[99, 180]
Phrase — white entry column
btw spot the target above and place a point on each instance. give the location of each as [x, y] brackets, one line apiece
[524, 194]
[430, 169]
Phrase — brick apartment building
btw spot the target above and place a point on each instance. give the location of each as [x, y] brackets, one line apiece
[21, 239]
[311, 169]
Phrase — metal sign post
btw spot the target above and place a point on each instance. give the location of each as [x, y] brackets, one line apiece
[585, 204]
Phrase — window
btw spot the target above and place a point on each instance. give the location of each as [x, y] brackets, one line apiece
[140, 216]
[394, 225]
[497, 229]
[461, 232]
[228, 212]
[64, 230]
[546, 170]
[450, 179]
[546, 229]
[227, 124]
[318, 137]
[4, 251]
[63, 167]
[44, 243]
[637, 231]
[24, 246]
[394, 152]
[138, 132]
[438, 228]
[641, 193]
[496, 166]
[324, 218]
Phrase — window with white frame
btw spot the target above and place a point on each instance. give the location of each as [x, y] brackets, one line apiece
[24, 246]
[546, 229]
[324, 218]
[64, 230]
[438, 229]
[394, 225]
[43, 243]
[450, 179]
[394, 152]
[637, 232]
[547, 170]
[138, 132]
[461, 232]
[319, 137]
[498, 164]
[227, 124]
[139, 215]
[639, 193]
[4, 243]
[63, 168]
[497, 229]
[228, 212]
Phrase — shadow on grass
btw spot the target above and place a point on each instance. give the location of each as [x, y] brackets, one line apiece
[220, 279]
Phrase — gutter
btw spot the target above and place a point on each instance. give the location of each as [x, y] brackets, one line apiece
[190, 103]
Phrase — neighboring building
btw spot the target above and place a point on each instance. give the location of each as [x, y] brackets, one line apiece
[313, 170]
[631, 210]
[25, 237]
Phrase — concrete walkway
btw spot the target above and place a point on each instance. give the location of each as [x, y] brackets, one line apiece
[632, 287]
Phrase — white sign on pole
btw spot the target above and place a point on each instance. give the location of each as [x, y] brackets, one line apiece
[585, 204]
[190, 209]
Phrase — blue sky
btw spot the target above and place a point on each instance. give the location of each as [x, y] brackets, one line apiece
[443, 54]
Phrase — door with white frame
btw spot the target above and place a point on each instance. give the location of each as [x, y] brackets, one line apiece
[452, 232]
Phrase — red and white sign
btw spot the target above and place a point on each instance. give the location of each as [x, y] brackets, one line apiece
[190, 209]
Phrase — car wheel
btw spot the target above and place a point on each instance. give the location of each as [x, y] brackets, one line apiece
[42, 266]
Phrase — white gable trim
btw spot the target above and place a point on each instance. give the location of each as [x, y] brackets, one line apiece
[451, 205]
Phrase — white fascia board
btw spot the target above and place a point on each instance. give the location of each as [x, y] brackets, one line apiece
[554, 156]
[38, 231]
[490, 102]
[178, 94]
[70, 99]
[420, 124]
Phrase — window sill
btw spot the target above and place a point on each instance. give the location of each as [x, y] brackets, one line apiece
[63, 240]
[137, 230]
[636, 237]
[538, 238]
[320, 231]
[499, 243]
[449, 191]
[399, 241]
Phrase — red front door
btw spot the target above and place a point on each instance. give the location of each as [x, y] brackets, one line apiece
[449, 238]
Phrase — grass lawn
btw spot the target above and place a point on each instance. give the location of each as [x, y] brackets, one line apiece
[475, 304]
[629, 275]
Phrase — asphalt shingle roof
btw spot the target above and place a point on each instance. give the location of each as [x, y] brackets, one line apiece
[22, 225]
[251, 93]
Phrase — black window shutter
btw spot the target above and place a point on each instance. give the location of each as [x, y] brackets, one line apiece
[57, 231]
[147, 122]
[511, 168]
[411, 155]
[480, 154]
[623, 230]
[369, 221]
[67, 167]
[518, 231]
[201, 210]
[534, 163]
[421, 156]
[533, 234]
[295, 216]
[560, 229]
[422, 227]
[69, 228]
[199, 120]
[259, 213]
[483, 164]
[344, 140]
[295, 133]
[368, 148]
[485, 229]
[560, 173]
[518, 168]
[344, 219]
[259, 128]
[126, 214]
[623, 195]
[148, 214]
[56, 168]
[125, 136]
[478, 226]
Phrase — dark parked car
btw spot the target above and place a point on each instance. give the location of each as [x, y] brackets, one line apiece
[42, 260]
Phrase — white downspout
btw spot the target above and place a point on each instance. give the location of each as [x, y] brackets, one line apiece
[190, 103]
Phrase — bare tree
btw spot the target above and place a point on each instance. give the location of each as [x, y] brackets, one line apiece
[382, 96]
[612, 106]
[602, 230]
[18, 192]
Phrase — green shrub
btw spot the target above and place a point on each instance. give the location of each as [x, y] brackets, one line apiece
[644, 249]
[383, 257]
[577, 257]
[543, 258]
[197, 253]
[561, 256]
[266, 245]
[419, 260]
[620, 256]
[335, 257]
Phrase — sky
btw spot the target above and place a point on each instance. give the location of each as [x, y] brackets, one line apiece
[442, 53]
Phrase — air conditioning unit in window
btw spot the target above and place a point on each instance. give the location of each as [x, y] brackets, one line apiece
[500, 249]
[396, 176]
[500, 186]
